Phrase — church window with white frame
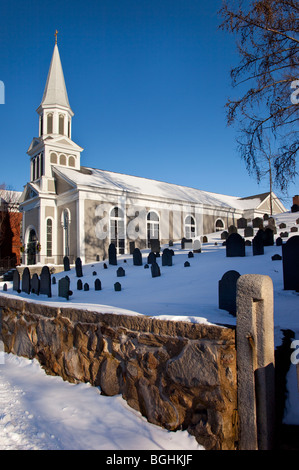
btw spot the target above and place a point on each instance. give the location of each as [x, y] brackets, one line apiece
[153, 227]
[190, 227]
[117, 229]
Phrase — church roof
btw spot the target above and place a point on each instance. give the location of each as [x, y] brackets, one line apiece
[55, 90]
[108, 180]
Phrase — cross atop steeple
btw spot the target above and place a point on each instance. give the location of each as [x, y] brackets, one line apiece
[56, 32]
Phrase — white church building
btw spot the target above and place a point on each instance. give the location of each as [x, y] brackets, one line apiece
[76, 211]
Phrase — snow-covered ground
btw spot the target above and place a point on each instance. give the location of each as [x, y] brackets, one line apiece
[44, 412]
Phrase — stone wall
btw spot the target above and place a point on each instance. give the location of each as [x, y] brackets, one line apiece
[178, 375]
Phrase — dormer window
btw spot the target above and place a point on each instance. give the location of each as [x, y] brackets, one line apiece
[50, 124]
[61, 124]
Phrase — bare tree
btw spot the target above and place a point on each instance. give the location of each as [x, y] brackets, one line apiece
[267, 33]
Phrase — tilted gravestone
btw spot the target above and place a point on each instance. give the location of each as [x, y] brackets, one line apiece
[120, 272]
[64, 288]
[258, 244]
[45, 282]
[137, 257]
[235, 245]
[117, 287]
[66, 263]
[35, 284]
[26, 281]
[97, 284]
[290, 263]
[16, 281]
[155, 270]
[166, 257]
[78, 265]
[79, 284]
[227, 291]
[112, 254]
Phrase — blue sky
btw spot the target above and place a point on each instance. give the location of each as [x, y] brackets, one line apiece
[147, 80]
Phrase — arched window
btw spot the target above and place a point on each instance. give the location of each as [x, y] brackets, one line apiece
[49, 123]
[31, 247]
[53, 158]
[153, 223]
[72, 162]
[61, 124]
[219, 225]
[49, 236]
[117, 229]
[189, 227]
[62, 159]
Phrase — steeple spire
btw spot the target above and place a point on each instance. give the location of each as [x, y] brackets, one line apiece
[56, 32]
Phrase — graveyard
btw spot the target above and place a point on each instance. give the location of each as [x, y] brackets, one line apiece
[182, 284]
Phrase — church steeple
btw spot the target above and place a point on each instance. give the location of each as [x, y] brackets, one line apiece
[55, 111]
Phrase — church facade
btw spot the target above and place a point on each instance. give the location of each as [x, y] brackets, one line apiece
[76, 211]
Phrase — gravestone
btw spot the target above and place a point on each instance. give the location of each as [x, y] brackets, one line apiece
[53, 280]
[294, 229]
[137, 257]
[166, 257]
[282, 225]
[224, 235]
[242, 222]
[284, 235]
[117, 287]
[227, 291]
[5, 287]
[26, 281]
[190, 254]
[290, 263]
[151, 258]
[235, 245]
[94, 273]
[268, 237]
[257, 222]
[35, 284]
[64, 288]
[186, 264]
[197, 246]
[276, 257]
[186, 243]
[78, 265]
[66, 263]
[105, 266]
[278, 241]
[146, 266]
[155, 270]
[120, 272]
[205, 239]
[258, 244]
[155, 245]
[16, 280]
[232, 229]
[248, 232]
[79, 284]
[45, 282]
[86, 287]
[170, 243]
[112, 254]
[97, 284]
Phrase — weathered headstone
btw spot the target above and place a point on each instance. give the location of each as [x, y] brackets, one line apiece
[53, 280]
[16, 281]
[26, 281]
[112, 254]
[276, 257]
[105, 266]
[227, 291]
[155, 270]
[186, 243]
[197, 246]
[248, 232]
[78, 265]
[35, 284]
[232, 229]
[79, 284]
[137, 257]
[235, 245]
[66, 263]
[120, 272]
[45, 282]
[5, 287]
[205, 239]
[94, 273]
[97, 284]
[242, 222]
[166, 257]
[294, 229]
[224, 235]
[146, 266]
[64, 288]
[290, 263]
[186, 264]
[117, 287]
[278, 241]
[86, 287]
[257, 222]
[282, 225]
[268, 237]
[258, 244]
[151, 258]
[190, 254]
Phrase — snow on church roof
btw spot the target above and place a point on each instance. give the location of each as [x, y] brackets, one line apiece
[95, 178]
